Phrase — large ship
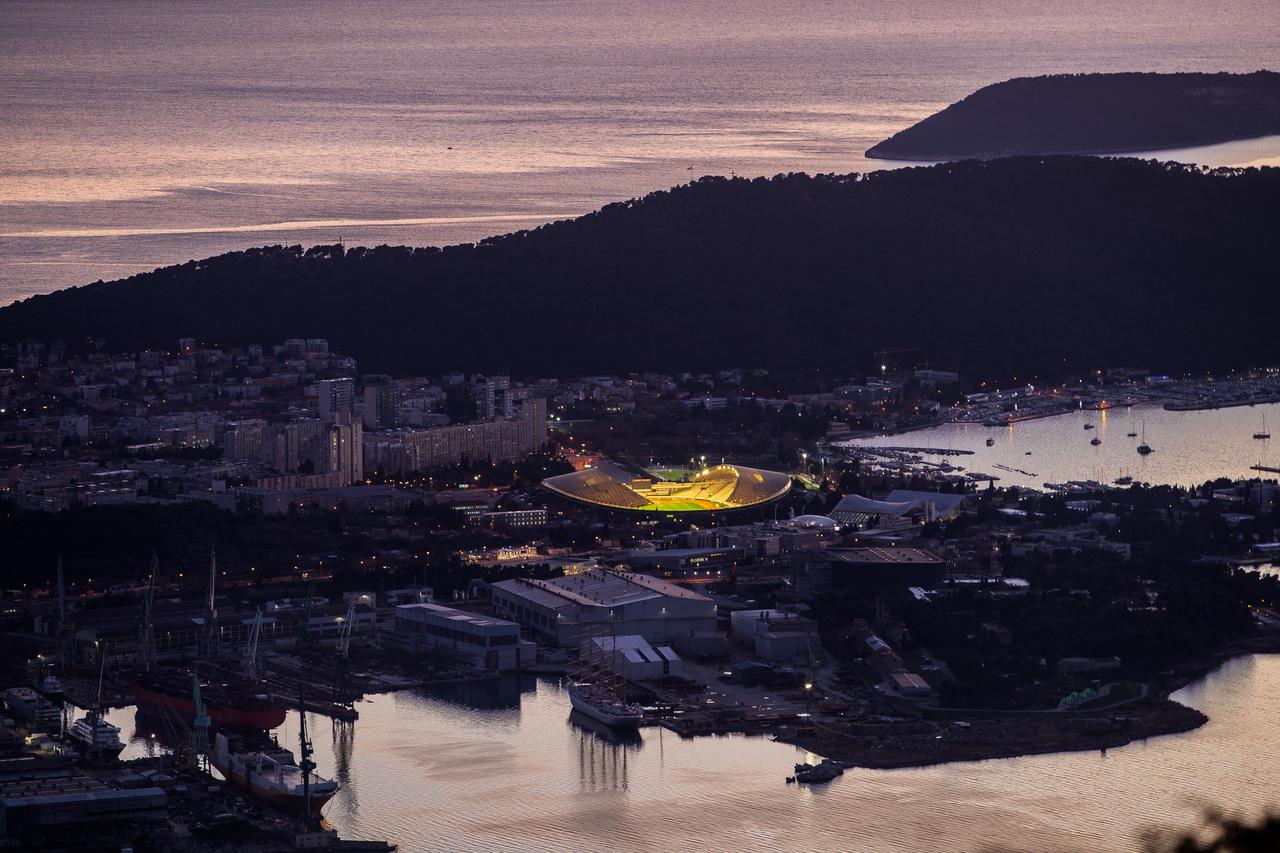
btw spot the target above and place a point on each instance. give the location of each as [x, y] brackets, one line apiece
[32, 708]
[603, 706]
[596, 690]
[268, 771]
[236, 706]
[95, 737]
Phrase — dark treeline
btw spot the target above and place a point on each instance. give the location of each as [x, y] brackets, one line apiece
[1033, 266]
[1087, 113]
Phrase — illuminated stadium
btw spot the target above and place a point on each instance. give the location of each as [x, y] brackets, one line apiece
[715, 489]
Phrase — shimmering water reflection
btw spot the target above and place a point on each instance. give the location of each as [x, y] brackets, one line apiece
[502, 767]
[1190, 447]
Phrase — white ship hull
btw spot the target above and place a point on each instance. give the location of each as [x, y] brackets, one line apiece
[613, 714]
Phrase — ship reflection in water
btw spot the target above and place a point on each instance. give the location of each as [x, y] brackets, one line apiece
[501, 765]
[602, 752]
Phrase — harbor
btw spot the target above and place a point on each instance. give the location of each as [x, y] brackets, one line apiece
[501, 765]
[1057, 449]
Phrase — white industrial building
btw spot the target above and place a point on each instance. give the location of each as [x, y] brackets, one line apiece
[775, 635]
[561, 611]
[469, 639]
[633, 658]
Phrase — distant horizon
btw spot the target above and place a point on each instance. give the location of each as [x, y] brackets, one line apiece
[402, 124]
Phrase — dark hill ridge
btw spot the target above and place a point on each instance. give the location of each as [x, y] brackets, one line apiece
[1007, 266]
[1094, 114]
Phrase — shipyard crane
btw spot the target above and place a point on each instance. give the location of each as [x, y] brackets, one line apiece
[147, 631]
[200, 731]
[212, 640]
[305, 764]
[304, 621]
[811, 678]
[343, 691]
[66, 639]
[344, 633]
[250, 656]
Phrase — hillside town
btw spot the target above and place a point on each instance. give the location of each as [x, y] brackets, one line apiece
[706, 544]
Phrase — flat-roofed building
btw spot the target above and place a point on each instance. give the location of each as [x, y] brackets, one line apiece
[872, 566]
[561, 611]
[461, 637]
[635, 659]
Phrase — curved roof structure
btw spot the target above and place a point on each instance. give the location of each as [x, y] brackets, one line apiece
[814, 522]
[718, 488]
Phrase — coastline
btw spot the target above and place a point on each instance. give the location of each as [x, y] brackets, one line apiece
[1163, 148]
[1015, 734]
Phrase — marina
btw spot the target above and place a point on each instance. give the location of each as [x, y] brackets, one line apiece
[1183, 452]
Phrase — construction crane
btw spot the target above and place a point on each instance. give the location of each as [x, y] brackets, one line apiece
[250, 656]
[147, 632]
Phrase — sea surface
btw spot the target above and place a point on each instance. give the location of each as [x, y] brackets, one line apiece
[1190, 448]
[502, 767]
[136, 133]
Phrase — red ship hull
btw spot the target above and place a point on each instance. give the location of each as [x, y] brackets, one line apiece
[223, 716]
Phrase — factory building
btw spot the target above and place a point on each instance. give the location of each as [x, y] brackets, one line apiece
[774, 635]
[560, 611]
[469, 639]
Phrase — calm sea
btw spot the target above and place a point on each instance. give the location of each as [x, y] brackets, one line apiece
[139, 133]
[504, 768]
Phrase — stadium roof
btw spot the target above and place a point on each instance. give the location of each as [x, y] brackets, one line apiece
[720, 487]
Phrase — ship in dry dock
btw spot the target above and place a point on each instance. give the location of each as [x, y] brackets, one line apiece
[269, 772]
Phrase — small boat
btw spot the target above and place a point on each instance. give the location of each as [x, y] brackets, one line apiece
[1263, 434]
[1096, 441]
[1088, 426]
[991, 442]
[1126, 480]
[604, 707]
[32, 708]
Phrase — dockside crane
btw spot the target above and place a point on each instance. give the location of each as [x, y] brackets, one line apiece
[199, 731]
[343, 691]
[305, 764]
[250, 656]
[212, 640]
[147, 631]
